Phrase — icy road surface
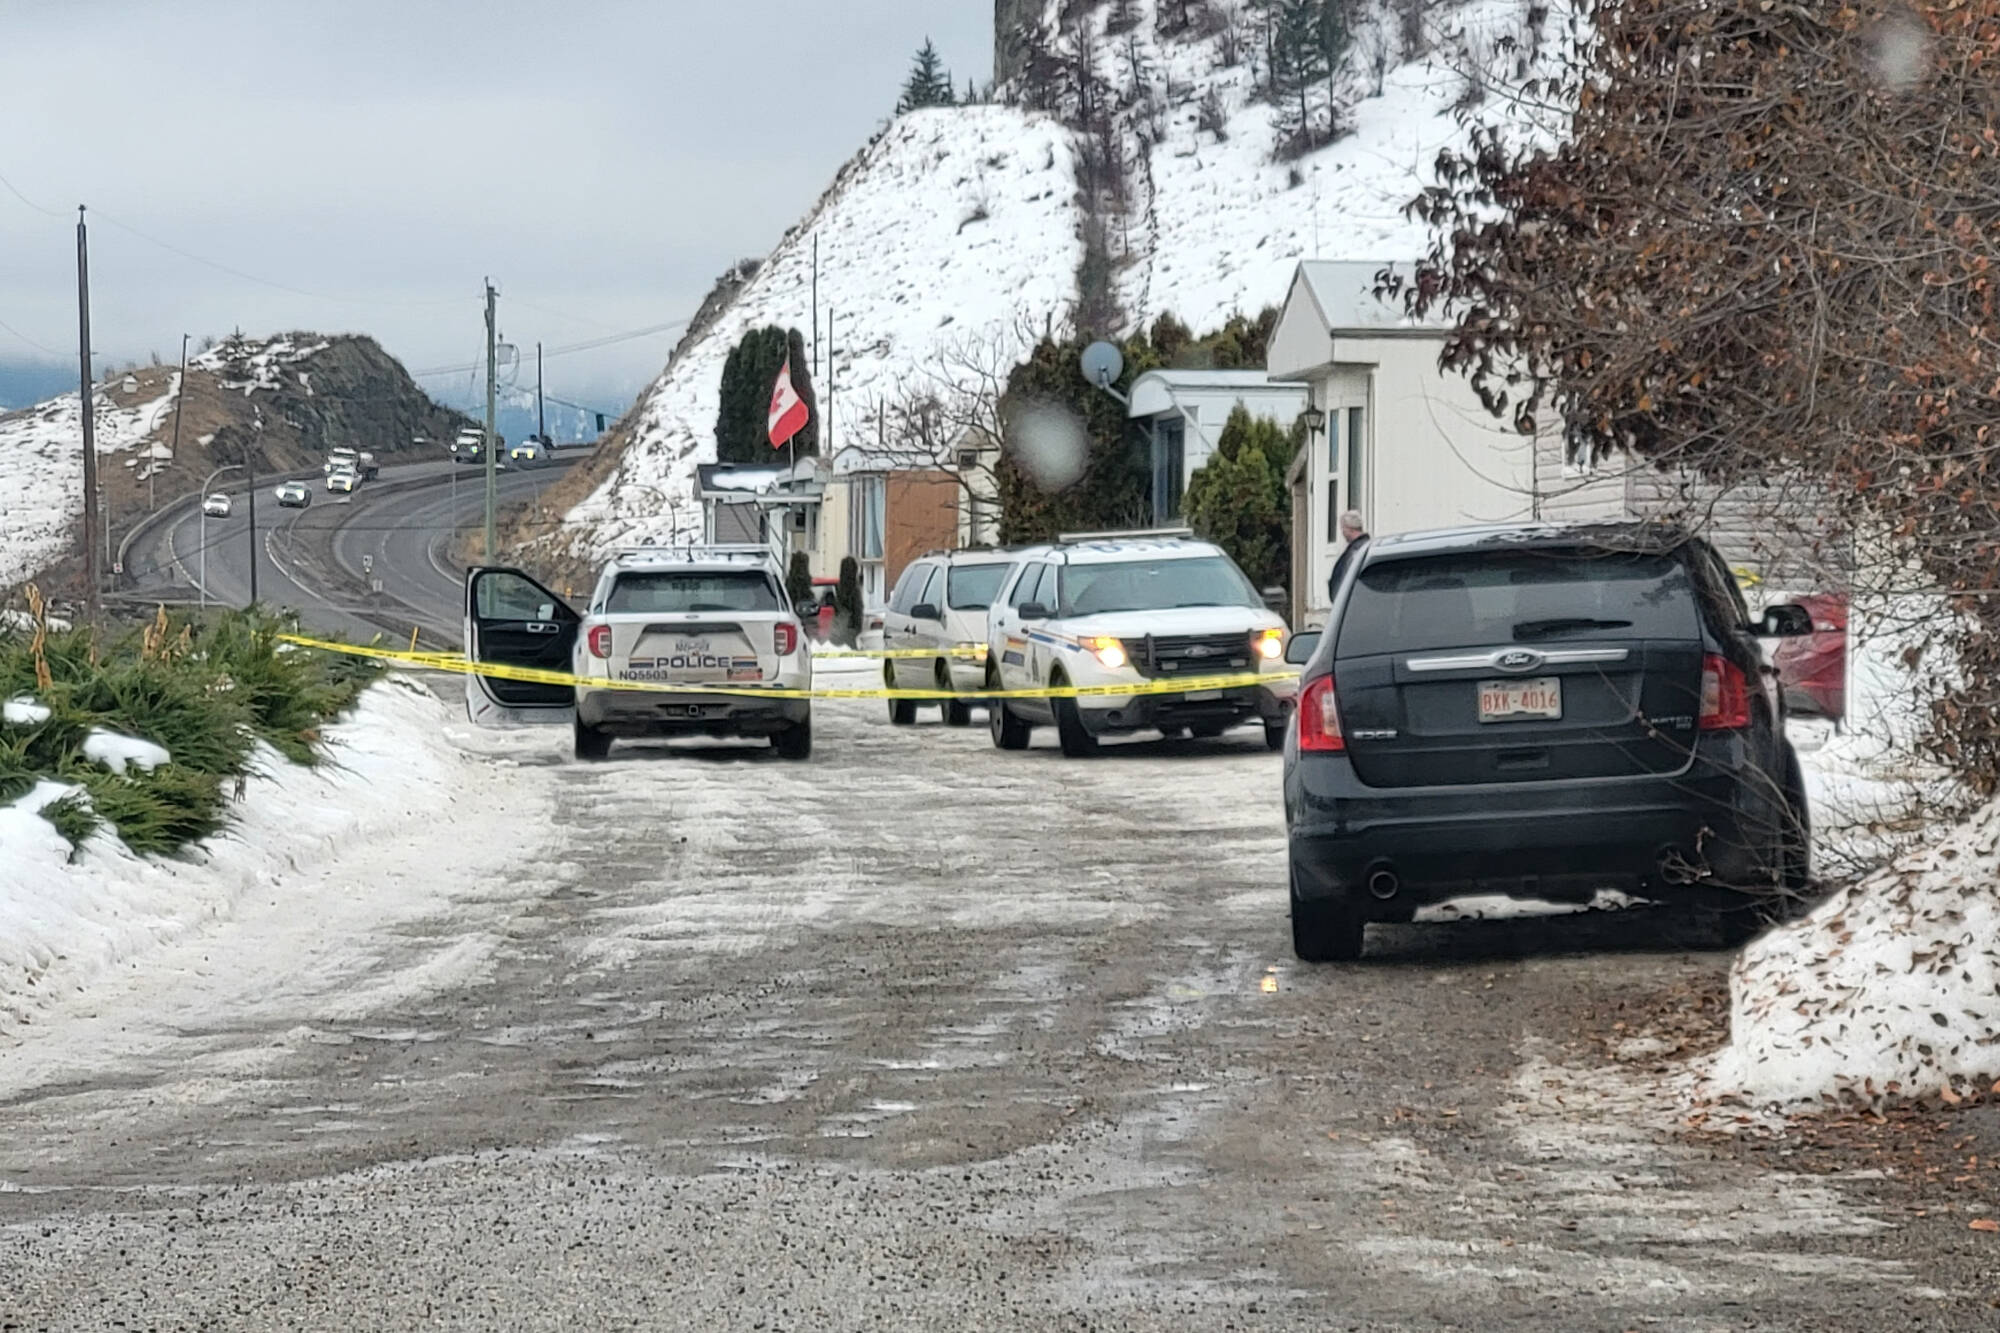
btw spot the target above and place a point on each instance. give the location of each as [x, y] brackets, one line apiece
[918, 1034]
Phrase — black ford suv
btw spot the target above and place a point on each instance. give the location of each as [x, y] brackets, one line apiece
[1542, 712]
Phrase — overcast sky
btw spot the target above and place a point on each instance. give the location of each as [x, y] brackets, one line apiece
[603, 160]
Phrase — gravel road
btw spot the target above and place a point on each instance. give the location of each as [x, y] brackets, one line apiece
[924, 1035]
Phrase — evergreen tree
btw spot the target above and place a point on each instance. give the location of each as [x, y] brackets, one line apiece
[1238, 500]
[847, 608]
[1115, 488]
[929, 84]
[743, 417]
[799, 579]
[1298, 61]
[1335, 36]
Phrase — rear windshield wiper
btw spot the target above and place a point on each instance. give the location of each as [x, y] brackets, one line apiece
[1542, 629]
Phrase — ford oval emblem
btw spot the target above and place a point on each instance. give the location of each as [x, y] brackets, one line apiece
[1518, 659]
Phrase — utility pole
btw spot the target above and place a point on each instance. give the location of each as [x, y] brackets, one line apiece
[827, 443]
[250, 466]
[492, 463]
[541, 411]
[175, 448]
[815, 304]
[90, 514]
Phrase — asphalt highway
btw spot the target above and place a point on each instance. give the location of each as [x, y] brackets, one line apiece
[324, 561]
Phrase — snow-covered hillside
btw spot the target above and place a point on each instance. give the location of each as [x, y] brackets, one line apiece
[41, 470]
[954, 223]
[246, 367]
[1217, 222]
[969, 222]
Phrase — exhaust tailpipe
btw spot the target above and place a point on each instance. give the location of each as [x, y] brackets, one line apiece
[1383, 883]
[1676, 869]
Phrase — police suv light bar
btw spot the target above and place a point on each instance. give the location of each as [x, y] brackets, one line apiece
[1129, 532]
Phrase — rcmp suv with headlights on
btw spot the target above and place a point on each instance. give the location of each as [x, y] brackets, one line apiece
[1543, 712]
[1147, 610]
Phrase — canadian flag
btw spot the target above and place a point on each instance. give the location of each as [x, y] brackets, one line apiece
[788, 410]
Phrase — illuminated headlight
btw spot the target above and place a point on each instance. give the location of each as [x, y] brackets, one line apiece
[972, 650]
[1270, 644]
[1106, 649]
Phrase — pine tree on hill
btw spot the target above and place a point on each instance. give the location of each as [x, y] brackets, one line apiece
[929, 83]
[1298, 61]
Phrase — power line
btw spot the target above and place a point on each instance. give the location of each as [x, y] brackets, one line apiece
[263, 282]
[46, 212]
[589, 345]
[42, 347]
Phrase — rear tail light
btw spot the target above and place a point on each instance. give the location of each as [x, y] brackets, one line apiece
[788, 639]
[599, 640]
[1319, 719]
[1725, 695]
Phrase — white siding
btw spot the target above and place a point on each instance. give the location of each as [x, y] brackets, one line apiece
[1439, 458]
[1780, 531]
[833, 524]
[1300, 342]
[1569, 493]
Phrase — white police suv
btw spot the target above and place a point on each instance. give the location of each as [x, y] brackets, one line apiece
[682, 616]
[1139, 609]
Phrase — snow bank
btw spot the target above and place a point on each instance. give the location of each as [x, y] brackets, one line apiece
[24, 712]
[63, 922]
[1890, 990]
[41, 470]
[115, 752]
[955, 224]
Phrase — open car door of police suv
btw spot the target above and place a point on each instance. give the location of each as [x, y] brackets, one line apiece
[511, 620]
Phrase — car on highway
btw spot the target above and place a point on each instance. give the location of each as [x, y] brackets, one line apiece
[1544, 712]
[528, 451]
[358, 461]
[216, 506]
[1143, 609]
[469, 446]
[343, 480]
[939, 606]
[294, 495]
[661, 623]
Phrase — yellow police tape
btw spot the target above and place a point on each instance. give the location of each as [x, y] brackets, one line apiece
[974, 654]
[461, 665]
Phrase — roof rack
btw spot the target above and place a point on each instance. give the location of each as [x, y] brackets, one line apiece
[1065, 537]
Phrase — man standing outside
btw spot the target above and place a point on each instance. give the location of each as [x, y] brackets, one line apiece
[1356, 536]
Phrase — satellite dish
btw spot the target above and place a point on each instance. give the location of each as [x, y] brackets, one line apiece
[1102, 364]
